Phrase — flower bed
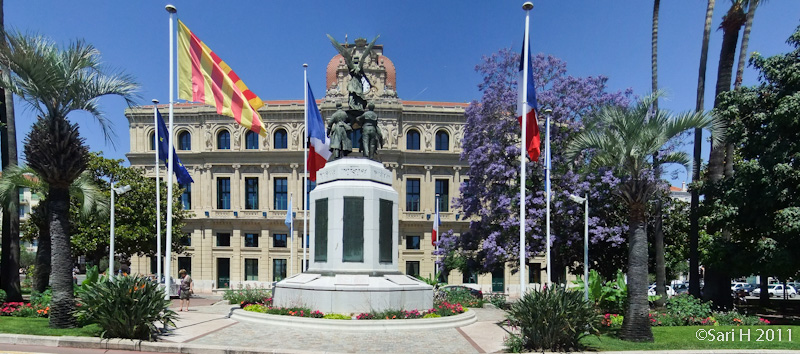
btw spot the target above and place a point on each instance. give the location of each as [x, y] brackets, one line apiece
[22, 309]
[442, 310]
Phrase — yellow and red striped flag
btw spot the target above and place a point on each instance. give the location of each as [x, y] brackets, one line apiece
[204, 77]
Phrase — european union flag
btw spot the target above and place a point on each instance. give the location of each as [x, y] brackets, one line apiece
[163, 146]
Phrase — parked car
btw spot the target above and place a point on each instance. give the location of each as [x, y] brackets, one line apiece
[474, 292]
[652, 291]
[747, 288]
[777, 290]
[680, 288]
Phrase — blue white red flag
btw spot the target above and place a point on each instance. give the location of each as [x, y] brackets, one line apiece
[319, 149]
[532, 138]
[436, 221]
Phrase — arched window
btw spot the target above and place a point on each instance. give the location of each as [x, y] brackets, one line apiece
[153, 141]
[412, 140]
[251, 140]
[281, 141]
[224, 140]
[442, 140]
[184, 141]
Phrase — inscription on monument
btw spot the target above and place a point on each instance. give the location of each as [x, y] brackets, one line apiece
[385, 223]
[321, 231]
[353, 231]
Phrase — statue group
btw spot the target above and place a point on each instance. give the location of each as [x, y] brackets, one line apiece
[361, 114]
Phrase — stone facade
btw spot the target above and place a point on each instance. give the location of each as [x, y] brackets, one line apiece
[256, 174]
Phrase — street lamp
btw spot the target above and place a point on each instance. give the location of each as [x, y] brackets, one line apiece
[114, 190]
[585, 201]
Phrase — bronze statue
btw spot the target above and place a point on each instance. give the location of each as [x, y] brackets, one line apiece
[371, 136]
[358, 85]
[339, 132]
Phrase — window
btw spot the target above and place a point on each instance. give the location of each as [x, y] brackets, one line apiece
[250, 269]
[279, 240]
[443, 190]
[251, 193]
[412, 268]
[251, 140]
[186, 240]
[281, 141]
[311, 186]
[223, 193]
[442, 141]
[412, 194]
[412, 242]
[153, 141]
[223, 239]
[278, 269]
[470, 277]
[535, 273]
[184, 141]
[412, 140]
[224, 140]
[186, 196]
[185, 263]
[251, 240]
[281, 194]
[355, 138]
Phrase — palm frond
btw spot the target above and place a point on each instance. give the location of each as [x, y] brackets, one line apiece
[14, 178]
[94, 201]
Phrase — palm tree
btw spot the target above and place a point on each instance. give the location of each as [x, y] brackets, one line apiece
[91, 201]
[54, 83]
[717, 279]
[624, 138]
[694, 215]
[9, 259]
[658, 231]
[751, 13]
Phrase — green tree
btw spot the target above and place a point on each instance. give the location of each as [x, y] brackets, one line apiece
[694, 215]
[83, 191]
[55, 82]
[624, 138]
[760, 201]
[135, 231]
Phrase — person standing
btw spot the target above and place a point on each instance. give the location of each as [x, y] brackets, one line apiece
[186, 289]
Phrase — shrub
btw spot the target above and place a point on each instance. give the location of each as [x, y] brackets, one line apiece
[665, 319]
[337, 316]
[688, 307]
[247, 295]
[431, 315]
[498, 300]
[553, 319]
[447, 309]
[2, 296]
[612, 321]
[284, 311]
[733, 318]
[42, 300]
[458, 296]
[21, 309]
[126, 307]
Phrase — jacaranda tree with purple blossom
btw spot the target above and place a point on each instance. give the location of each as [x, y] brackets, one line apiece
[490, 198]
[625, 139]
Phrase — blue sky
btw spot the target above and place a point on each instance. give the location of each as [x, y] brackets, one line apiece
[434, 45]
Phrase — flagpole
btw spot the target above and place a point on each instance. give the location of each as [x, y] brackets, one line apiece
[158, 194]
[168, 270]
[547, 192]
[438, 237]
[522, 158]
[305, 169]
[291, 237]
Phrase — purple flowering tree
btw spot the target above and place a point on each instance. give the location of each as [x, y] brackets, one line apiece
[490, 198]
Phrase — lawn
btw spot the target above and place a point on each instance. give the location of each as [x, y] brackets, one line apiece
[725, 337]
[40, 326]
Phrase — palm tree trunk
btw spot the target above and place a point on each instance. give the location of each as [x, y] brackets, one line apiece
[658, 232]
[43, 267]
[694, 215]
[748, 25]
[63, 302]
[717, 276]
[636, 324]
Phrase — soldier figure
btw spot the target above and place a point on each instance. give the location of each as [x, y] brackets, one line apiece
[339, 132]
[371, 137]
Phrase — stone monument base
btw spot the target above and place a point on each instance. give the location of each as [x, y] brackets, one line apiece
[353, 293]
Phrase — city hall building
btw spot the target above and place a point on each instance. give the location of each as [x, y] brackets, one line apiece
[243, 182]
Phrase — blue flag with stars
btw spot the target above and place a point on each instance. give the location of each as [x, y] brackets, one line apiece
[163, 146]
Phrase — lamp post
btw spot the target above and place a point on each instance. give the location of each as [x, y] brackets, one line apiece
[114, 190]
[585, 201]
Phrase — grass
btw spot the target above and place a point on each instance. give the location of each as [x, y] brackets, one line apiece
[40, 326]
[685, 337]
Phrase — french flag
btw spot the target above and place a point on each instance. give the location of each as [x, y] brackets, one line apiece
[532, 139]
[319, 151]
[436, 221]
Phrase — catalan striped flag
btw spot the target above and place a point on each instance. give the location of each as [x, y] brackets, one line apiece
[204, 77]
